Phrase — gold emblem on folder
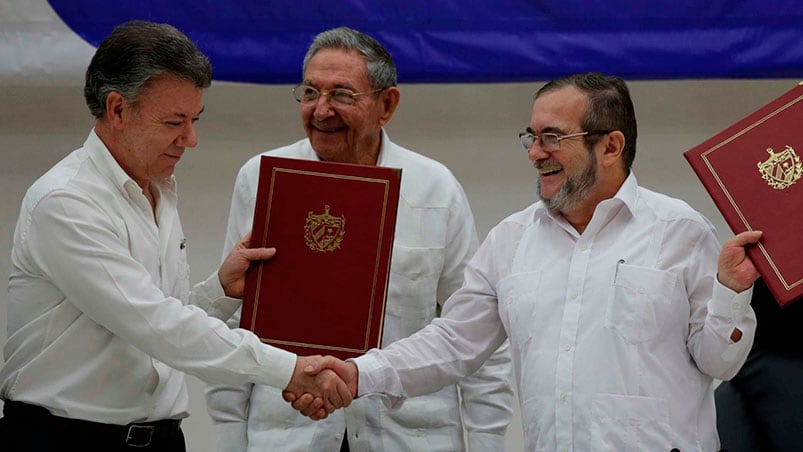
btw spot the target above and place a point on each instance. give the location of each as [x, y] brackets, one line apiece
[781, 169]
[324, 232]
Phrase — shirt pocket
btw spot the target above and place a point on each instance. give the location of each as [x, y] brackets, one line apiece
[630, 423]
[412, 298]
[639, 302]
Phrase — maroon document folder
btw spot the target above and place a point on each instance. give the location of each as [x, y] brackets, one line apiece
[752, 170]
[332, 224]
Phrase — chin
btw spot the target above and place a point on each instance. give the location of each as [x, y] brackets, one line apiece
[167, 172]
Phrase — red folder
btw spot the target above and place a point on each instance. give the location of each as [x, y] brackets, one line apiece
[752, 170]
[324, 292]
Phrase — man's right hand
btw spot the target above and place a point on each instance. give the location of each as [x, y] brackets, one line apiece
[312, 405]
[322, 388]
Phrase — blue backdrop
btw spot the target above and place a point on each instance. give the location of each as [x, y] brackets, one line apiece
[481, 41]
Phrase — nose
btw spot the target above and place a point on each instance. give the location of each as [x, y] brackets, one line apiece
[188, 139]
[323, 108]
[536, 152]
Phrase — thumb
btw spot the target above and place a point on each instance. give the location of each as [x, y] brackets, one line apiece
[313, 365]
[256, 254]
[745, 238]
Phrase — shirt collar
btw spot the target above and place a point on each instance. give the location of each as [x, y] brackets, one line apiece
[382, 157]
[628, 192]
[102, 158]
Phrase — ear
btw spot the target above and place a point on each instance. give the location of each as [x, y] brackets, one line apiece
[390, 100]
[115, 106]
[614, 144]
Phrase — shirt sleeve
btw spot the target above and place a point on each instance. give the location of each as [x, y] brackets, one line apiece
[228, 405]
[209, 296]
[453, 346]
[84, 252]
[715, 311]
[486, 395]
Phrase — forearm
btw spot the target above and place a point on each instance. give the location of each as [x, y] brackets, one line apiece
[447, 350]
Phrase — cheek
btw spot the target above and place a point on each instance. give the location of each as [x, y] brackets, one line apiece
[306, 114]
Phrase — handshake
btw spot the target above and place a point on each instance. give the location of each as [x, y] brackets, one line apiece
[320, 385]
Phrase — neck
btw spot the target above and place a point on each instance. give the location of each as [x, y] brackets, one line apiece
[580, 215]
[368, 158]
[370, 154]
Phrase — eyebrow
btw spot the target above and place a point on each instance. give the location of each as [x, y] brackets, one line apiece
[183, 116]
[548, 129]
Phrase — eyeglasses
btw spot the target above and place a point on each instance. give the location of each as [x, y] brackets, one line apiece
[306, 94]
[550, 142]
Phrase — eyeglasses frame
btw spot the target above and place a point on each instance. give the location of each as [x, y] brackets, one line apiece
[329, 93]
[558, 137]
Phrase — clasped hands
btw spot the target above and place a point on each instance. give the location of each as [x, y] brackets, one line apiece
[320, 385]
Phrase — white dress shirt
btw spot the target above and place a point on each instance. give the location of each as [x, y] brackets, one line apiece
[617, 333]
[98, 318]
[435, 238]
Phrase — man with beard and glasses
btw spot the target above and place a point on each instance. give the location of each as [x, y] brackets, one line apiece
[347, 95]
[620, 308]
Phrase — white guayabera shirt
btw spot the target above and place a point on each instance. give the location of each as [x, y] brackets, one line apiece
[617, 334]
[435, 238]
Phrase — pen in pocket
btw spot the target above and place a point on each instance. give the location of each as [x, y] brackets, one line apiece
[616, 272]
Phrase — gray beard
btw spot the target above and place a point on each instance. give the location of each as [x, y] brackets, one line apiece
[574, 190]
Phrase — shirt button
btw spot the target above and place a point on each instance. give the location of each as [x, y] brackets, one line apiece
[564, 397]
[633, 422]
[567, 347]
[735, 305]
[582, 247]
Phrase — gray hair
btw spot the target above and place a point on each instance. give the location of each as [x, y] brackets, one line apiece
[134, 54]
[609, 107]
[379, 64]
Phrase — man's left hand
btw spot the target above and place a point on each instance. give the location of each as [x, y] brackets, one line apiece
[232, 270]
[735, 270]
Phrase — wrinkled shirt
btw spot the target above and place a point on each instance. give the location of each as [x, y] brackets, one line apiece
[617, 333]
[435, 237]
[98, 315]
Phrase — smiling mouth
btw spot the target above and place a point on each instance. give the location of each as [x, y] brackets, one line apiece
[548, 170]
[324, 128]
[329, 130]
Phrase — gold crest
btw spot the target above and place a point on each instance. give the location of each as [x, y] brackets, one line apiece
[781, 169]
[324, 232]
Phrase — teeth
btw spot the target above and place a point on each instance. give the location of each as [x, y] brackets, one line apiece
[548, 169]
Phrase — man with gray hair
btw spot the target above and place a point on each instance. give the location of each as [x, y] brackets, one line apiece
[347, 95]
[102, 323]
